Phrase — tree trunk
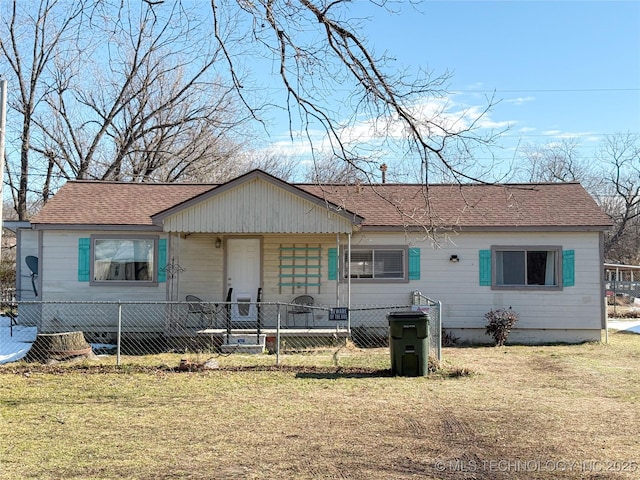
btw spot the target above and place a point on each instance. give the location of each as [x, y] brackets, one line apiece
[58, 346]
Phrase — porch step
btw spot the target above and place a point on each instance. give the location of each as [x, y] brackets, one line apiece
[243, 343]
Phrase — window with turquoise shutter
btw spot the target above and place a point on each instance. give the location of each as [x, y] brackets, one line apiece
[527, 267]
[122, 260]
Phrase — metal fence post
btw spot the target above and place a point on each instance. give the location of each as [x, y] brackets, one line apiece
[439, 331]
[278, 335]
[119, 341]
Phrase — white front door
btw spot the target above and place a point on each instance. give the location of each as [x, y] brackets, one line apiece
[243, 276]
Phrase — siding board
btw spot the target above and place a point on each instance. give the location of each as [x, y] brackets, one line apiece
[257, 207]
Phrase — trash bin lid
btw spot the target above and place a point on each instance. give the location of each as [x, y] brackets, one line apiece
[406, 316]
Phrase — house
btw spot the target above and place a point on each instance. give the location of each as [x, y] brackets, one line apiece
[476, 247]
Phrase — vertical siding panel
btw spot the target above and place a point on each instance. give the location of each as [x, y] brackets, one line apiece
[257, 207]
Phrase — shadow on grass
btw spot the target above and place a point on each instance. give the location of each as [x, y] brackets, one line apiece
[624, 332]
[298, 371]
[336, 373]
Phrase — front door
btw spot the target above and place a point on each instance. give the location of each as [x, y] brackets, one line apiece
[243, 276]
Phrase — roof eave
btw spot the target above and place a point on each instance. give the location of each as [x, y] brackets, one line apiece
[490, 228]
[75, 226]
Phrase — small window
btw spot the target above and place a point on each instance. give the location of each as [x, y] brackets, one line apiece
[385, 264]
[527, 267]
[124, 260]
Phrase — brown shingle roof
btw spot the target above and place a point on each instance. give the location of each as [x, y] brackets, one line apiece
[386, 205]
[113, 203]
[469, 205]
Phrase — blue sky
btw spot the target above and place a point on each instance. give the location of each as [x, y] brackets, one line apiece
[558, 69]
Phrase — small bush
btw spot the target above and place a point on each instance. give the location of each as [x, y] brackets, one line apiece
[8, 273]
[448, 338]
[500, 323]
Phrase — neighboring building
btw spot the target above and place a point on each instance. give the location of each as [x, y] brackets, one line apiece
[534, 247]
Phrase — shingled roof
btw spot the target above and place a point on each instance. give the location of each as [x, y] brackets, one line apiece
[565, 205]
[383, 206]
[114, 203]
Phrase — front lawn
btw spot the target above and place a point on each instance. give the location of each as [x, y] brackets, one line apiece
[565, 411]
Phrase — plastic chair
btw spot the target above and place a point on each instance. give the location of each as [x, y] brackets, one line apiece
[301, 307]
[205, 312]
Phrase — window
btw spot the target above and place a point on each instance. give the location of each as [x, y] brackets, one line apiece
[527, 267]
[119, 259]
[388, 264]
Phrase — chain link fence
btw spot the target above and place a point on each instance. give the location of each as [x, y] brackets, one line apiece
[117, 329]
[622, 287]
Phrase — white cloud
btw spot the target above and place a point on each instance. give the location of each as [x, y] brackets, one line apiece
[519, 101]
[370, 135]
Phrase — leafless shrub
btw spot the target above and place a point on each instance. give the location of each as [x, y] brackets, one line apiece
[500, 323]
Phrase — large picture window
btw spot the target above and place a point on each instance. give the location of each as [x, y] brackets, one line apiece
[527, 267]
[124, 260]
[385, 264]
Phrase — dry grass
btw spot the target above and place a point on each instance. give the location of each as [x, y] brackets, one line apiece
[623, 311]
[490, 413]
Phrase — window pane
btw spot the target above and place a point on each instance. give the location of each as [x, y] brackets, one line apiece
[526, 267]
[513, 268]
[378, 264]
[361, 264]
[388, 264]
[122, 260]
[541, 268]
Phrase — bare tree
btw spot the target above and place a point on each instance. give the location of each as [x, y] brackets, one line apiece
[558, 161]
[318, 54]
[328, 170]
[29, 42]
[161, 113]
[128, 95]
[280, 166]
[105, 92]
[620, 159]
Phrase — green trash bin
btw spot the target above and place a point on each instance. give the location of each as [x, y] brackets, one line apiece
[409, 343]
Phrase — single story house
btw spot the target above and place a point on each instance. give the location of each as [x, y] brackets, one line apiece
[537, 248]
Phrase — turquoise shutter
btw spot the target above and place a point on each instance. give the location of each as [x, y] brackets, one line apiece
[568, 268]
[333, 264]
[162, 260]
[485, 268]
[414, 264]
[84, 259]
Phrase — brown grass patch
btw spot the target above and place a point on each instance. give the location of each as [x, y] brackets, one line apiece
[486, 413]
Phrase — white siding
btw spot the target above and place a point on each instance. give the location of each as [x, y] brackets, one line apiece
[257, 207]
[27, 245]
[455, 284]
[203, 266]
[465, 302]
[573, 312]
